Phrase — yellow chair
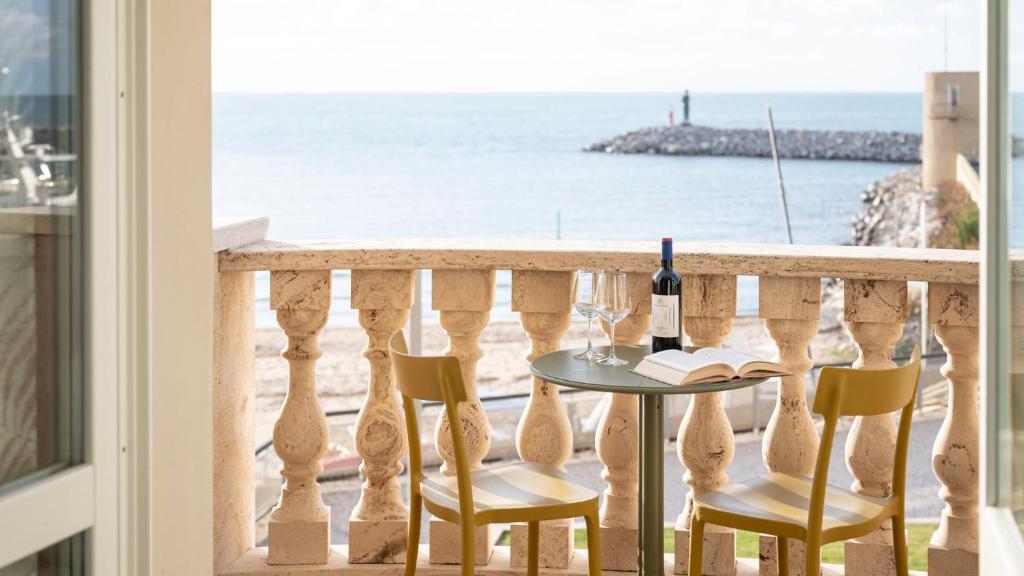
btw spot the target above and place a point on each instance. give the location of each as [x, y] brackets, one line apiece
[808, 509]
[519, 492]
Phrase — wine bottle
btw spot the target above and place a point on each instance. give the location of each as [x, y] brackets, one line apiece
[666, 302]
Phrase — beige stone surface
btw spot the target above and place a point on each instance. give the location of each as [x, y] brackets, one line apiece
[618, 448]
[790, 308]
[234, 232]
[544, 433]
[956, 454]
[705, 444]
[719, 554]
[807, 261]
[541, 291]
[300, 523]
[299, 541]
[382, 289]
[619, 548]
[875, 312]
[462, 290]
[951, 562]
[556, 544]
[300, 290]
[768, 559]
[234, 365]
[254, 564]
[380, 440]
[377, 541]
[446, 543]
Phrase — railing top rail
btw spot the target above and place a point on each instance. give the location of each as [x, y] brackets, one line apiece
[855, 262]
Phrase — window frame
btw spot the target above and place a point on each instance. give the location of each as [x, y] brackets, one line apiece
[86, 497]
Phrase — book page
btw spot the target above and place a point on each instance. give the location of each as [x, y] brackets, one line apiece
[732, 358]
[678, 360]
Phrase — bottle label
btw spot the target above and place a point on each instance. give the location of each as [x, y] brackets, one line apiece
[665, 316]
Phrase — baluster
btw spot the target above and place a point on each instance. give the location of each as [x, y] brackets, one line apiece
[617, 444]
[705, 443]
[875, 311]
[790, 308]
[464, 299]
[377, 526]
[544, 433]
[953, 549]
[300, 525]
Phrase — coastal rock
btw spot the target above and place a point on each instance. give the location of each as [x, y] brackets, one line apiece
[808, 144]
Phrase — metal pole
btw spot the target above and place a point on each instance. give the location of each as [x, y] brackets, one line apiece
[778, 172]
[416, 315]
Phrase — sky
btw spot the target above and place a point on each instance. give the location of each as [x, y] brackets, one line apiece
[588, 45]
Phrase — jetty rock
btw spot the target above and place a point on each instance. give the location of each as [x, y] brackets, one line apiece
[810, 144]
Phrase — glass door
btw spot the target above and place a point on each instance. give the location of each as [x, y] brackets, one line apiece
[1002, 513]
[54, 467]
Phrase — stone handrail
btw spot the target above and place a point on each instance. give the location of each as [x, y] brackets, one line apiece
[801, 261]
[875, 309]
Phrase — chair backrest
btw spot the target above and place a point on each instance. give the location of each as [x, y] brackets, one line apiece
[433, 378]
[862, 392]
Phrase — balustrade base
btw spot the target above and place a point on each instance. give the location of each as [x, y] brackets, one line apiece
[254, 563]
[951, 562]
[377, 542]
[446, 543]
[618, 548]
[556, 544]
[299, 542]
[768, 564]
[719, 554]
[865, 559]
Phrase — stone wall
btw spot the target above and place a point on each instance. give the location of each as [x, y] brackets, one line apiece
[807, 144]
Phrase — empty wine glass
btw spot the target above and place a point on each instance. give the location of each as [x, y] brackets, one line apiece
[585, 292]
[612, 305]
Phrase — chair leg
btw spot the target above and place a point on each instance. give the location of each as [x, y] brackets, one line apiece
[696, 546]
[812, 550]
[899, 542]
[594, 542]
[468, 547]
[533, 548]
[782, 554]
[412, 542]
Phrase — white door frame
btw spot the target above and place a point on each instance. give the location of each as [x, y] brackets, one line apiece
[1001, 545]
[86, 497]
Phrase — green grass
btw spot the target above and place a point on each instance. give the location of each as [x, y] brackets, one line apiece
[747, 545]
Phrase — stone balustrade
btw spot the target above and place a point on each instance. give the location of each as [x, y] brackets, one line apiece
[463, 280]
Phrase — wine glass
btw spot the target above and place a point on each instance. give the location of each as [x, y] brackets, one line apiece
[586, 282]
[612, 305]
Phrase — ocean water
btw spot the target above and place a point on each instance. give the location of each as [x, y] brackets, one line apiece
[511, 166]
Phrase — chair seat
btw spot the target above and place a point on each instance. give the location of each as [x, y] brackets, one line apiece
[500, 492]
[783, 499]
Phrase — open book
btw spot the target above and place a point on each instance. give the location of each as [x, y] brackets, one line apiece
[677, 368]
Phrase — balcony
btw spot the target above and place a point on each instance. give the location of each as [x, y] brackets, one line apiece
[877, 298]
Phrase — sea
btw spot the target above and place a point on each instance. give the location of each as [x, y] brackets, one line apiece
[511, 165]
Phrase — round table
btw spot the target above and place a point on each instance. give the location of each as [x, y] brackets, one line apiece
[561, 368]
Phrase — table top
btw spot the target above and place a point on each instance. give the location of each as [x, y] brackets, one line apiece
[561, 368]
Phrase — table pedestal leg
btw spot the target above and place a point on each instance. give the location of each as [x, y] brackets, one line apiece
[652, 479]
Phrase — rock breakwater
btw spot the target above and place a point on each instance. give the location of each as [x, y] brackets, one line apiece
[808, 144]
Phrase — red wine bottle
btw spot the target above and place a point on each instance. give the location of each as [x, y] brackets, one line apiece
[666, 303]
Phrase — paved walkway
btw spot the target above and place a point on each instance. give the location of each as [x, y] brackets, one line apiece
[922, 486]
